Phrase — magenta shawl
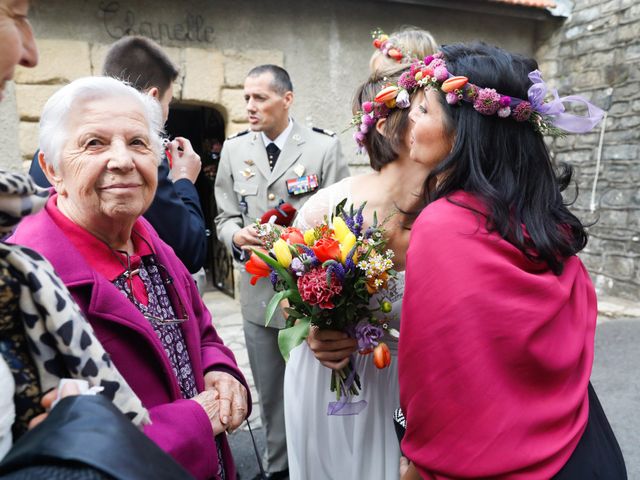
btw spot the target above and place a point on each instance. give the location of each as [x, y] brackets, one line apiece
[495, 352]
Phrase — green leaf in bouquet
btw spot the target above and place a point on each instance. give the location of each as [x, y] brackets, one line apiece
[293, 313]
[281, 271]
[290, 338]
[340, 207]
[274, 303]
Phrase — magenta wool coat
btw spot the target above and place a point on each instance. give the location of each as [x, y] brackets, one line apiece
[179, 426]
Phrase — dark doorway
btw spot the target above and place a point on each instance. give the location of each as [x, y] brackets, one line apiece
[204, 127]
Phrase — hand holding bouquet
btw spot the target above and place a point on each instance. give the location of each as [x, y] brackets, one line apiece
[329, 275]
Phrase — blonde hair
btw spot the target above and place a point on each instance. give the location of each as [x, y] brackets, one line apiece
[412, 41]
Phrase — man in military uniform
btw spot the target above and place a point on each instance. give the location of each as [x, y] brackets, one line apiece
[276, 160]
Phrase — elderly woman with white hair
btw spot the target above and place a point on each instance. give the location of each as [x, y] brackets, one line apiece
[100, 146]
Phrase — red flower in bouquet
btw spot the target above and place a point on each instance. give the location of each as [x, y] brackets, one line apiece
[292, 235]
[257, 267]
[315, 290]
[327, 249]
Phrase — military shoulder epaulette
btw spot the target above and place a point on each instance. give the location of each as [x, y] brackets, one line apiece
[239, 134]
[322, 130]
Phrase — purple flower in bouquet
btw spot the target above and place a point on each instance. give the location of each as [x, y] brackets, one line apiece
[348, 220]
[358, 220]
[308, 256]
[297, 266]
[336, 269]
[367, 335]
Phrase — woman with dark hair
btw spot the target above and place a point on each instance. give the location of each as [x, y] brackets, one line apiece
[363, 445]
[499, 313]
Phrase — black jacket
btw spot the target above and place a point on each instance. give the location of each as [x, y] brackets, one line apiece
[87, 437]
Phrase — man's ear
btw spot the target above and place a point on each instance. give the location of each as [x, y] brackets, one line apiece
[51, 174]
[154, 92]
[288, 99]
[381, 126]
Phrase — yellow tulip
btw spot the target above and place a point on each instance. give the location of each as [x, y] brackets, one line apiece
[309, 237]
[340, 229]
[346, 245]
[283, 254]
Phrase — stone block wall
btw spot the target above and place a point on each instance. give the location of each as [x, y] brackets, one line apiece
[207, 77]
[596, 53]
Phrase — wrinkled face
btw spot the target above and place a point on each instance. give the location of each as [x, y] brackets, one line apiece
[268, 111]
[17, 45]
[108, 171]
[429, 140]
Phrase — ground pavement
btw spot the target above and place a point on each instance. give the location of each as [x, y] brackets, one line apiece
[615, 378]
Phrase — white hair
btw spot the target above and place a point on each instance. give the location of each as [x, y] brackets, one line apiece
[55, 115]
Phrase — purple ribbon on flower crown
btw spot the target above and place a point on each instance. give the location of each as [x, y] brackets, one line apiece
[555, 108]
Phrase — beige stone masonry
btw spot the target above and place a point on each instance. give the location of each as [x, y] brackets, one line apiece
[207, 77]
[99, 52]
[28, 139]
[233, 100]
[60, 61]
[203, 75]
[31, 100]
[237, 64]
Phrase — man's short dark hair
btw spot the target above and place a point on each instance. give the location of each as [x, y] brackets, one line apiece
[281, 82]
[141, 62]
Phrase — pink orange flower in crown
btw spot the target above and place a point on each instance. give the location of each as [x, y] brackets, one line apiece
[381, 42]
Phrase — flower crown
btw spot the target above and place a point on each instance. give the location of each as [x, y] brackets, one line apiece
[547, 118]
[381, 42]
[390, 97]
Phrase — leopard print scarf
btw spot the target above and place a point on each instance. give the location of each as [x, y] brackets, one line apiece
[53, 339]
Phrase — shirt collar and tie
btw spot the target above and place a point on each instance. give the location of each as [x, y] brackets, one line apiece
[275, 146]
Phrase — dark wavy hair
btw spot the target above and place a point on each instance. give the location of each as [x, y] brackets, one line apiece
[506, 163]
[383, 149]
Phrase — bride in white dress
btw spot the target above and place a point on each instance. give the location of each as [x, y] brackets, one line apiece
[362, 446]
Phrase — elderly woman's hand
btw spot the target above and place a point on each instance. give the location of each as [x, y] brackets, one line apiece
[331, 347]
[209, 400]
[233, 398]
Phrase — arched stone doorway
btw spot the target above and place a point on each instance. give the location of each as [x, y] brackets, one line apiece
[204, 126]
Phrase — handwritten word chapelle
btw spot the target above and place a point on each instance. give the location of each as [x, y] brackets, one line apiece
[119, 22]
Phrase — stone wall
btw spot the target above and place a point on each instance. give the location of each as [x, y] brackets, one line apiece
[207, 77]
[597, 53]
[325, 46]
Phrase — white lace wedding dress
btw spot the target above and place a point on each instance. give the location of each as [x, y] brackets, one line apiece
[362, 446]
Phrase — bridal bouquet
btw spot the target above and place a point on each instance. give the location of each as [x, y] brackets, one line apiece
[328, 276]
